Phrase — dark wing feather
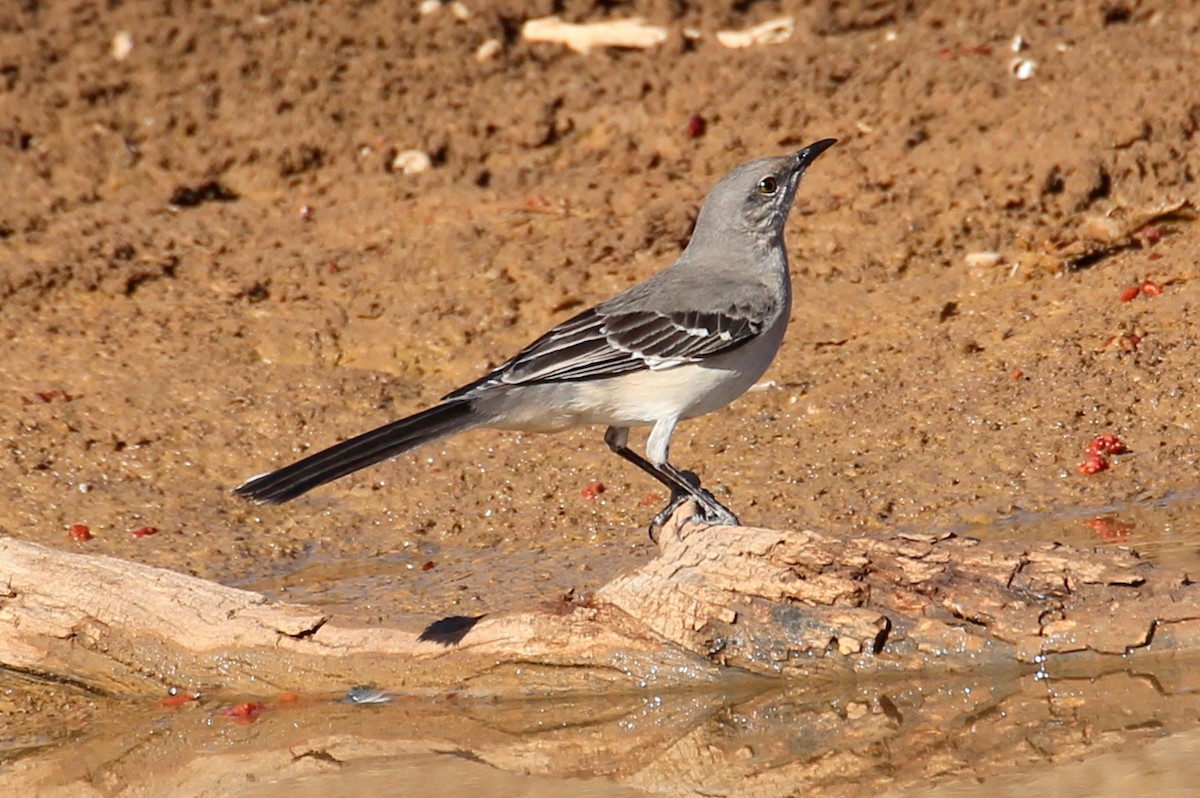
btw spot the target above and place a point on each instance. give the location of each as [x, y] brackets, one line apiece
[597, 344]
[688, 336]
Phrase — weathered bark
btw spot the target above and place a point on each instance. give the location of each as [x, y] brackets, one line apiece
[805, 603]
[764, 601]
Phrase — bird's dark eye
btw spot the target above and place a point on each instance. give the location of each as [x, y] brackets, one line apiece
[768, 186]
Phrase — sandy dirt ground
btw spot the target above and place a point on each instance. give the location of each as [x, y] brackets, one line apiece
[211, 262]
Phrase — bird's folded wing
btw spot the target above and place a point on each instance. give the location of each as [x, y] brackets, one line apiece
[598, 344]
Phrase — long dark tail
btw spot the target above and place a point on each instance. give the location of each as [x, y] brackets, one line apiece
[367, 449]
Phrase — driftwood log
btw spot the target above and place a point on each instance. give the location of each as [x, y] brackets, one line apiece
[716, 602]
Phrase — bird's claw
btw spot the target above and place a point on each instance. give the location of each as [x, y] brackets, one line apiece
[708, 509]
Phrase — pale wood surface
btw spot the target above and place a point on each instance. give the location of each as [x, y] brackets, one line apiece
[716, 602]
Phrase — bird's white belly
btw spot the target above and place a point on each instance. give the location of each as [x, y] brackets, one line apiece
[647, 396]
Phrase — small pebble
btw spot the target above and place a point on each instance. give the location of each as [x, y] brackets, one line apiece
[366, 694]
[1101, 228]
[122, 45]
[412, 162]
[1022, 68]
[488, 50]
[983, 260]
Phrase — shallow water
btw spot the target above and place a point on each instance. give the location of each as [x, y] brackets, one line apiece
[1166, 530]
[1117, 731]
[432, 775]
[991, 734]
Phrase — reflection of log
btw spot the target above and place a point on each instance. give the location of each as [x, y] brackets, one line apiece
[827, 741]
[791, 603]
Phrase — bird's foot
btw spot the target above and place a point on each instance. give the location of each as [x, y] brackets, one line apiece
[708, 509]
[664, 515]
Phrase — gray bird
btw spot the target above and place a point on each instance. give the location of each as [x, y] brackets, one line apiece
[685, 342]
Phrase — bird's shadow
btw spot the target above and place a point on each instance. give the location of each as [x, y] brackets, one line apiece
[449, 631]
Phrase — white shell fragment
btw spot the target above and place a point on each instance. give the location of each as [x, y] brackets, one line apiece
[488, 50]
[427, 7]
[983, 260]
[412, 162]
[775, 31]
[1022, 68]
[631, 33]
[122, 45]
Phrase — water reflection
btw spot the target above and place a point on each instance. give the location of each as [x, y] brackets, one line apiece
[1165, 529]
[750, 740]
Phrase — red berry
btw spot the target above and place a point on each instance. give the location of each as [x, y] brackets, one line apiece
[1130, 292]
[143, 531]
[1106, 444]
[243, 713]
[593, 490]
[696, 126]
[80, 532]
[1093, 465]
[1151, 288]
[1109, 529]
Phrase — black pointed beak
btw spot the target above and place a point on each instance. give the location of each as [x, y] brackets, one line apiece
[810, 153]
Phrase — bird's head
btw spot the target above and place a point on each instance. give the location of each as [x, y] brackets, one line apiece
[755, 198]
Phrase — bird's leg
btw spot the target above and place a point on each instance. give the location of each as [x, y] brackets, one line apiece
[678, 498]
[713, 511]
[721, 516]
[684, 485]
